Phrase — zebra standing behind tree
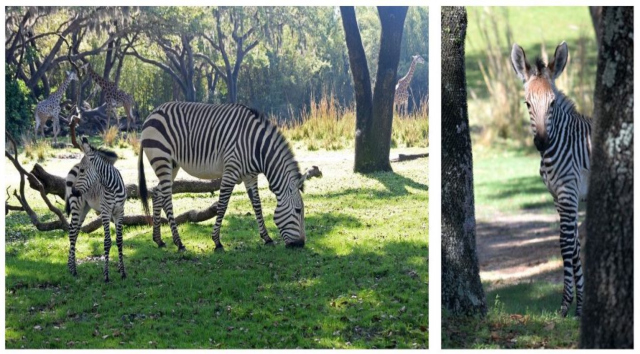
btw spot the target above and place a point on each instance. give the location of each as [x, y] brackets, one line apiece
[227, 141]
[563, 138]
[95, 183]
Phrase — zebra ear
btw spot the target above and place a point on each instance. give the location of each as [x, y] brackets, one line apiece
[85, 145]
[559, 60]
[519, 63]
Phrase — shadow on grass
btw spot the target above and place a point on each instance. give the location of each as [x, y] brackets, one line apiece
[285, 298]
[395, 186]
[519, 316]
[362, 293]
[518, 187]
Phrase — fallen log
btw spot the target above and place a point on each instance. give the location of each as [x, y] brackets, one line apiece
[138, 220]
[55, 184]
[403, 157]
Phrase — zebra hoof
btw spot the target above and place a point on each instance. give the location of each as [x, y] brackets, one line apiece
[269, 243]
[124, 276]
[219, 248]
[295, 244]
[161, 244]
[563, 311]
[182, 249]
[106, 280]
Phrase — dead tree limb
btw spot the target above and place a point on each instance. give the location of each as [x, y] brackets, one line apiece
[139, 220]
[61, 223]
[403, 157]
[56, 185]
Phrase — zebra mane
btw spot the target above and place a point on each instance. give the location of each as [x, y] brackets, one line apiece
[107, 155]
[292, 164]
[540, 66]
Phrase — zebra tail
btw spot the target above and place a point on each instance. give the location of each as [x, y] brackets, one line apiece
[67, 206]
[142, 184]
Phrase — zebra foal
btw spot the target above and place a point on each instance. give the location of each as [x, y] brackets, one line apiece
[563, 138]
[227, 141]
[95, 183]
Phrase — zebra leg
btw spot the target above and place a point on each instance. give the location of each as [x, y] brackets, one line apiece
[226, 187]
[566, 204]
[167, 205]
[251, 183]
[76, 217]
[107, 243]
[157, 209]
[118, 221]
[577, 273]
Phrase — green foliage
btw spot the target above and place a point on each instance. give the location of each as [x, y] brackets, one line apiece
[19, 105]
[360, 282]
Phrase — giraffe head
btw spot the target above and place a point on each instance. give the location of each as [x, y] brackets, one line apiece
[418, 59]
[540, 89]
[72, 75]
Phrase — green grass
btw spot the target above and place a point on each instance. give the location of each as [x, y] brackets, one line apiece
[524, 315]
[518, 317]
[360, 282]
[507, 180]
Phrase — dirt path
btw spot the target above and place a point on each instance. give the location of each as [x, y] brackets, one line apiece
[519, 248]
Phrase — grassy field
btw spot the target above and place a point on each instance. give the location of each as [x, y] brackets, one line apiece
[522, 313]
[360, 282]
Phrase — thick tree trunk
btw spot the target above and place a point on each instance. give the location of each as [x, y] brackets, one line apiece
[462, 292]
[361, 82]
[374, 114]
[596, 19]
[607, 321]
[392, 23]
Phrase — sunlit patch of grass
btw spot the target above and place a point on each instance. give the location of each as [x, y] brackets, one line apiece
[360, 282]
[39, 150]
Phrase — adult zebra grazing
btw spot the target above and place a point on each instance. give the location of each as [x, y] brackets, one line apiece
[563, 137]
[227, 141]
[95, 183]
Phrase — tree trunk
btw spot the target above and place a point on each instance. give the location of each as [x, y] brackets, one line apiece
[596, 19]
[607, 320]
[361, 83]
[392, 23]
[462, 292]
[374, 114]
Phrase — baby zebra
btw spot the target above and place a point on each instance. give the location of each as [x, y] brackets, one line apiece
[95, 183]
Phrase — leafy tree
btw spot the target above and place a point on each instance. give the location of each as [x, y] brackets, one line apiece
[18, 109]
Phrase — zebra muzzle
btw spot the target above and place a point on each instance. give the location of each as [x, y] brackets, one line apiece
[295, 244]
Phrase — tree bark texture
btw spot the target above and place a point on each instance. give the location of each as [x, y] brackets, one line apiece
[462, 292]
[374, 113]
[607, 320]
[361, 83]
[392, 23]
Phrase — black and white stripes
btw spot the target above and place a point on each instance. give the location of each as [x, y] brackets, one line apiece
[227, 141]
[95, 183]
[563, 137]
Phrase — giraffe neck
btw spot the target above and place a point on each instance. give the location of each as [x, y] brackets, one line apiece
[58, 94]
[97, 78]
[407, 78]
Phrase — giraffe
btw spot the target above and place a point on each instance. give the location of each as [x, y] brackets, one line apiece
[113, 96]
[50, 108]
[402, 88]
